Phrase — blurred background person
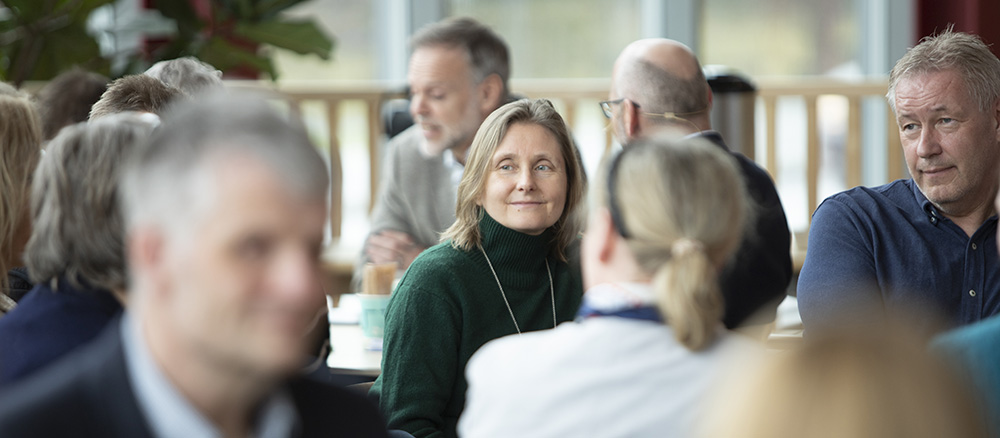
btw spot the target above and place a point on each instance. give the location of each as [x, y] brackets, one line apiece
[648, 342]
[140, 93]
[20, 149]
[501, 269]
[187, 74]
[872, 384]
[457, 76]
[657, 85]
[67, 99]
[76, 254]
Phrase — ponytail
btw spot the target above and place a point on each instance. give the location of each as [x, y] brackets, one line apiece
[688, 295]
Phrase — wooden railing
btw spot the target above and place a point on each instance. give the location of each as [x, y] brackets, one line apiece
[573, 97]
[810, 91]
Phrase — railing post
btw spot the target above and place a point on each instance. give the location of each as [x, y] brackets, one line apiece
[853, 146]
[336, 166]
[812, 154]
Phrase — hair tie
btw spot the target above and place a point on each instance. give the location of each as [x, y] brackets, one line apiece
[684, 246]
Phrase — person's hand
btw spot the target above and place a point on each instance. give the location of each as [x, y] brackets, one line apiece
[389, 246]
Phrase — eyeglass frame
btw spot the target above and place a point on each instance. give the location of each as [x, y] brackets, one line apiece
[669, 115]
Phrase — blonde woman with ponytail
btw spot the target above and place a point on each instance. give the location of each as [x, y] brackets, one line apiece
[648, 342]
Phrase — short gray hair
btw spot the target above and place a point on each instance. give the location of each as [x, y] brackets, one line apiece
[660, 91]
[187, 74]
[78, 229]
[135, 93]
[162, 182]
[486, 52]
[964, 53]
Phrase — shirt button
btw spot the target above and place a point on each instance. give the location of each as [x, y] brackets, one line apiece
[974, 246]
[972, 293]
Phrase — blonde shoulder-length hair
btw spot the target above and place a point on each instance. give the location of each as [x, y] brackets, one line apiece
[464, 233]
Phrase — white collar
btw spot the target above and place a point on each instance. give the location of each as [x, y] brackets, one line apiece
[454, 168]
[614, 296]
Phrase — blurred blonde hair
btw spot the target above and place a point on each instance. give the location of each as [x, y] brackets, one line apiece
[20, 148]
[684, 206]
[877, 384]
[464, 233]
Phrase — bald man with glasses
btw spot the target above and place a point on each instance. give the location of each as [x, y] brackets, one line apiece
[658, 85]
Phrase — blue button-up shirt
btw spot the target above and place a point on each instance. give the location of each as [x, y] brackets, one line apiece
[887, 250]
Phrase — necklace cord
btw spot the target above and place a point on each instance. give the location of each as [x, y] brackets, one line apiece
[552, 291]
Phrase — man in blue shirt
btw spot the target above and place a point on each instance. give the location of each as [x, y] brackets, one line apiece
[921, 249]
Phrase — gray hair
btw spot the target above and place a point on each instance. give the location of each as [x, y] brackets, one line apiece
[962, 52]
[187, 74]
[660, 91]
[78, 229]
[487, 53]
[165, 180]
[135, 93]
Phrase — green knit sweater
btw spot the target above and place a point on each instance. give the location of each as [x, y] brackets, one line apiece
[447, 305]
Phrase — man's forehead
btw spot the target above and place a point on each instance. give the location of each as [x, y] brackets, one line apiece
[438, 65]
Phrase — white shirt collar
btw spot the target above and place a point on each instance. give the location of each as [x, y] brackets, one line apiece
[454, 168]
[614, 296]
[169, 414]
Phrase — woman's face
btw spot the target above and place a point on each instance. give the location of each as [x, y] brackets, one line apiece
[526, 181]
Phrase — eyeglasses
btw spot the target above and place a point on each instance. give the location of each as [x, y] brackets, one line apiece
[669, 115]
[606, 106]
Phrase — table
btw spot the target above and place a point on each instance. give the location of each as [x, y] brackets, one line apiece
[349, 354]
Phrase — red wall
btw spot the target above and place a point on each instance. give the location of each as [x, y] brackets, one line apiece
[980, 17]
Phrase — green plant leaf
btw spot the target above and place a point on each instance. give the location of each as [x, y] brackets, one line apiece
[269, 9]
[182, 13]
[226, 56]
[300, 36]
[45, 56]
[81, 9]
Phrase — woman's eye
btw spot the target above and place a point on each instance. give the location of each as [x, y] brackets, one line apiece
[506, 167]
[544, 167]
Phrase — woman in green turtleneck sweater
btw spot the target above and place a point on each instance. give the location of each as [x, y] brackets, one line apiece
[501, 271]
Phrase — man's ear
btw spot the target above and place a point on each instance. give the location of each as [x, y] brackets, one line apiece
[145, 249]
[605, 237]
[630, 119]
[996, 119]
[491, 94]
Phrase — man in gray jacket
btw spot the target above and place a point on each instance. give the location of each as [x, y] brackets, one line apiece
[457, 76]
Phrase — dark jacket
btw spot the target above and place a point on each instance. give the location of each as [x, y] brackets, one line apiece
[89, 395]
[757, 278]
[47, 324]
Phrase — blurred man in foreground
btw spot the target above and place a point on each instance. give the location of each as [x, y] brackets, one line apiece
[224, 214]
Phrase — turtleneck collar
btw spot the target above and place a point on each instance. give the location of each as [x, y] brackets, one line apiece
[515, 253]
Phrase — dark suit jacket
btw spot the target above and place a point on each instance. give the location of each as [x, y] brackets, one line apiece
[757, 278]
[89, 395]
